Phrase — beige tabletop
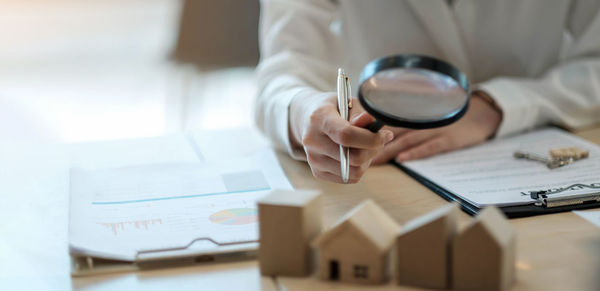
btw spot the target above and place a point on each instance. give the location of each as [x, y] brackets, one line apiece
[554, 252]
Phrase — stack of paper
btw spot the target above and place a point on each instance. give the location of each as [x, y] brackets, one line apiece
[489, 174]
[116, 213]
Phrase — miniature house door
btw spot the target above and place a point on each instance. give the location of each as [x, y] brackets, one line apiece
[334, 270]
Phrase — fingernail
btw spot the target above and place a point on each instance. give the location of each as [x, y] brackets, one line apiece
[389, 136]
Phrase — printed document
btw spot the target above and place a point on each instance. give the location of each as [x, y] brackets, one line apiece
[489, 174]
[117, 212]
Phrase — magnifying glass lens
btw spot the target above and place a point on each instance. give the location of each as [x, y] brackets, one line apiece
[414, 94]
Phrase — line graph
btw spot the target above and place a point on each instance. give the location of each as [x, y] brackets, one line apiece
[178, 197]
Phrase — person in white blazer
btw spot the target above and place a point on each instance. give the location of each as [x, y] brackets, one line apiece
[530, 63]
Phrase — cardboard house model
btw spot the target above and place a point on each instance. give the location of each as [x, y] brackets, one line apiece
[423, 249]
[484, 253]
[355, 250]
[288, 222]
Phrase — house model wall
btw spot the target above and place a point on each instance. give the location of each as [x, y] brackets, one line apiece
[423, 249]
[288, 222]
[430, 252]
[484, 253]
[355, 250]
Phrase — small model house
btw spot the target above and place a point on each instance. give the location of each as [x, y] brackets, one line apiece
[355, 250]
[423, 249]
[288, 222]
[484, 253]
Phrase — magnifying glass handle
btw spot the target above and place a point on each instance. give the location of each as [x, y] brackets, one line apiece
[375, 126]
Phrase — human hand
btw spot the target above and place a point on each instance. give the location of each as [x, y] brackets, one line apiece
[479, 123]
[317, 127]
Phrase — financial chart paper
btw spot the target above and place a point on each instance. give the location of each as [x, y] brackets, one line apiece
[117, 212]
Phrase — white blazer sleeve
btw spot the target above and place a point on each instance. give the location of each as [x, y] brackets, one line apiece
[567, 95]
[298, 57]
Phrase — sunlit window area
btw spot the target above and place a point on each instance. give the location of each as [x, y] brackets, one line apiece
[96, 70]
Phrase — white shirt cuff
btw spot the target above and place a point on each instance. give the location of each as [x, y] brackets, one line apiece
[519, 112]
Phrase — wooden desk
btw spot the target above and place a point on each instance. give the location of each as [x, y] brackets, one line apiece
[555, 252]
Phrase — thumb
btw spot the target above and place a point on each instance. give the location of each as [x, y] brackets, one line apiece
[362, 120]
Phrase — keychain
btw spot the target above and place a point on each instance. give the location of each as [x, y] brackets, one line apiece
[558, 157]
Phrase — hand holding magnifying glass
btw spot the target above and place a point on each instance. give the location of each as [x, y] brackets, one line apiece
[411, 91]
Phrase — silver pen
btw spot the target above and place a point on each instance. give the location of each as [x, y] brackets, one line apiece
[344, 105]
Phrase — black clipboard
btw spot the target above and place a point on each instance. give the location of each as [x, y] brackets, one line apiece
[509, 211]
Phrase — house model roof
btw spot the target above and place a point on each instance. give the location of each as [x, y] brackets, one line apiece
[370, 220]
[491, 221]
[428, 218]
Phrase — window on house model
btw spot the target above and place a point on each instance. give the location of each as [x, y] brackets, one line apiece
[361, 271]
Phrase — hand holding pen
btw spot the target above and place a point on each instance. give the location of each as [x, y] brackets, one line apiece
[318, 129]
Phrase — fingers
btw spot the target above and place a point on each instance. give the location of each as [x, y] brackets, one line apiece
[362, 120]
[326, 130]
[428, 148]
[329, 169]
[342, 132]
[384, 156]
[323, 145]
[326, 176]
[403, 143]
[398, 131]
[479, 123]
[319, 143]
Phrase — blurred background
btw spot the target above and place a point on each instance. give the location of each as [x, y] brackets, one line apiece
[73, 70]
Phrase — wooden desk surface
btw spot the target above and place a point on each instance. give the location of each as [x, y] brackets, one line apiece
[554, 252]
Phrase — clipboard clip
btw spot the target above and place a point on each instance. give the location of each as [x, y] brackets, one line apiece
[556, 197]
[210, 251]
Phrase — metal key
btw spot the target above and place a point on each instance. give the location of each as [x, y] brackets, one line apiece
[550, 163]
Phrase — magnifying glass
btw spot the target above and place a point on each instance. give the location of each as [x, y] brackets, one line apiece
[413, 91]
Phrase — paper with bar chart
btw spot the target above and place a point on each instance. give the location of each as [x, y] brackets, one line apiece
[117, 212]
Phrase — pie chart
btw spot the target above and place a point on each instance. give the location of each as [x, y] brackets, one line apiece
[234, 216]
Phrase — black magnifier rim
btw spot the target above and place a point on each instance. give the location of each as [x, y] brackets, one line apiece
[417, 62]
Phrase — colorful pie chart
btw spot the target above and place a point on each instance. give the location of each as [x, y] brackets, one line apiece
[234, 216]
